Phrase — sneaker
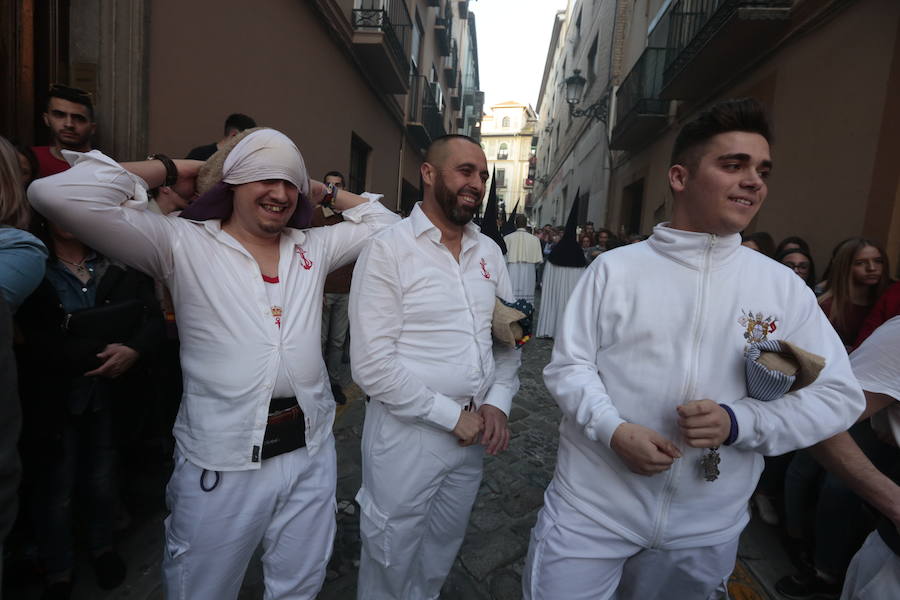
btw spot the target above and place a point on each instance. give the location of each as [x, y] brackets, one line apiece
[808, 586]
[109, 569]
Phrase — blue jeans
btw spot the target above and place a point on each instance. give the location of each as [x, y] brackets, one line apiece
[76, 471]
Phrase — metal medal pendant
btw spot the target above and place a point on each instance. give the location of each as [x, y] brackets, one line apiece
[710, 463]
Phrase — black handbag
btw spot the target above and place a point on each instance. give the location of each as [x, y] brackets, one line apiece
[109, 323]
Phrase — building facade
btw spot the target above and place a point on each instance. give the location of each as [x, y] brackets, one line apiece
[362, 86]
[507, 137]
[572, 151]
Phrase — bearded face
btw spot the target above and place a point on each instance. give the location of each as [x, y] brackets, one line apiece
[459, 205]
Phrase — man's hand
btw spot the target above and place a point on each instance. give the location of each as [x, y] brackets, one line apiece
[468, 427]
[703, 423]
[496, 433]
[117, 358]
[643, 450]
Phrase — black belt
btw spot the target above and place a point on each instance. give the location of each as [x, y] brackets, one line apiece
[285, 428]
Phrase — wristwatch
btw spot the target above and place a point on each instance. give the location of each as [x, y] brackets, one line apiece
[171, 169]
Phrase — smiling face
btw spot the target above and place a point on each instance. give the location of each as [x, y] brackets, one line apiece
[867, 266]
[724, 190]
[455, 182]
[71, 124]
[263, 208]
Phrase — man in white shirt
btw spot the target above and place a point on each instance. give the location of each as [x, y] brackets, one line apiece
[874, 572]
[255, 458]
[660, 444]
[523, 254]
[421, 304]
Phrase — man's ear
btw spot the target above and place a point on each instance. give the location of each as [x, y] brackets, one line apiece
[678, 176]
[46, 120]
[427, 171]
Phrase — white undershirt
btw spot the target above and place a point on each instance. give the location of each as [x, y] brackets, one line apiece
[275, 293]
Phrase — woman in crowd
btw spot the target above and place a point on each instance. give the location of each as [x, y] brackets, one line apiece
[590, 250]
[800, 261]
[792, 242]
[760, 241]
[85, 329]
[858, 277]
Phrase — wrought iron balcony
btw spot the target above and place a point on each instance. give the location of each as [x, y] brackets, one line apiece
[381, 39]
[424, 118]
[709, 38]
[442, 35]
[640, 113]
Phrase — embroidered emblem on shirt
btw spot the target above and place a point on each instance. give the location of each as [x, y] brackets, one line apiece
[276, 314]
[484, 270]
[307, 264]
[757, 328]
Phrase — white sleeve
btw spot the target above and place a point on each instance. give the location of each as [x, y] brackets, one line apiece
[829, 405]
[105, 207]
[346, 240]
[376, 320]
[506, 359]
[571, 376]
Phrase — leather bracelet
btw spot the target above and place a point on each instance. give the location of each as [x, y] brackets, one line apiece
[733, 429]
[171, 169]
[329, 197]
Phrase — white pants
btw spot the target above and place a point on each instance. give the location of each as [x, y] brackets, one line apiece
[522, 279]
[874, 572]
[288, 505]
[573, 557]
[418, 489]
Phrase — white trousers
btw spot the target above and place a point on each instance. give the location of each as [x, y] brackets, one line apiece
[573, 557]
[288, 505]
[522, 279]
[417, 493]
[874, 572]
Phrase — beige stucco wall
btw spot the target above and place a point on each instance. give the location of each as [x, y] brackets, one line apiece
[274, 61]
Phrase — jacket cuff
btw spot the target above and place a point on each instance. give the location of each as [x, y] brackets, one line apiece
[356, 213]
[601, 429]
[444, 412]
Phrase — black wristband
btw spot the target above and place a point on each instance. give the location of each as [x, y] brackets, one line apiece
[171, 169]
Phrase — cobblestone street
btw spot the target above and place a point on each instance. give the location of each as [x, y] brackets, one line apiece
[490, 562]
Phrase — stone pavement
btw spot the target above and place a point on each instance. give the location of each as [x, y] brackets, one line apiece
[490, 562]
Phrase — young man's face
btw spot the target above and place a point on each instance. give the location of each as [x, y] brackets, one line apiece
[336, 180]
[724, 190]
[70, 123]
[263, 208]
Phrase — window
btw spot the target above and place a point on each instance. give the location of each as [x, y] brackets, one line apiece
[505, 123]
[592, 59]
[416, 45]
[359, 163]
[501, 178]
[503, 152]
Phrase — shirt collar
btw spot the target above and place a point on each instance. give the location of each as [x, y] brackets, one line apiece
[422, 224]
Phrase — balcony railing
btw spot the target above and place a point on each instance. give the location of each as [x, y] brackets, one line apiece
[391, 20]
[709, 35]
[424, 118]
[640, 112]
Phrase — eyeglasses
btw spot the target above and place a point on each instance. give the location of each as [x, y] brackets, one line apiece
[803, 266]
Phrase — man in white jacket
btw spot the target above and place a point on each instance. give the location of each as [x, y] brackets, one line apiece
[649, 373]
[255, 457]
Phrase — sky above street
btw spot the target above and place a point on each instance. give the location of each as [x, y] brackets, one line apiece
[513, 36]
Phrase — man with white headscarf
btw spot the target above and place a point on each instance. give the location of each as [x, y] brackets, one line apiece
[255, 458]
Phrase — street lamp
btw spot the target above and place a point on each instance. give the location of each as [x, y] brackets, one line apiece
[574, 89]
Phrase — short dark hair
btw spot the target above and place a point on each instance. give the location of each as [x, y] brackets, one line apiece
[238, 121]
[521, 221]
[78, 96]
[335, 174]
[438, 142]
[739, 114]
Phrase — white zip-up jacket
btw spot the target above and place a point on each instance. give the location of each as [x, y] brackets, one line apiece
[656, 324]
[230, 350]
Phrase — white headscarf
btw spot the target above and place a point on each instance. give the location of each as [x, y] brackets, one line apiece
[266, 154]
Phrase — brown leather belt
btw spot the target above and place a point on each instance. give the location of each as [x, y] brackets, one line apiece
[283, 416]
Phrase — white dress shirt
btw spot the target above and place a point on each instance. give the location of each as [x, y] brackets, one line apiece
[230, 351]
[420, 323]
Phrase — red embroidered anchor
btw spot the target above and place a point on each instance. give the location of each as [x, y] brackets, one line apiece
[484, 270]
[307, 264]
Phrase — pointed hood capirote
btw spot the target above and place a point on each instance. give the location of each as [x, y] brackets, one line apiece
[510, 225]
[567, 253]
[253, 155]
[489, 222]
